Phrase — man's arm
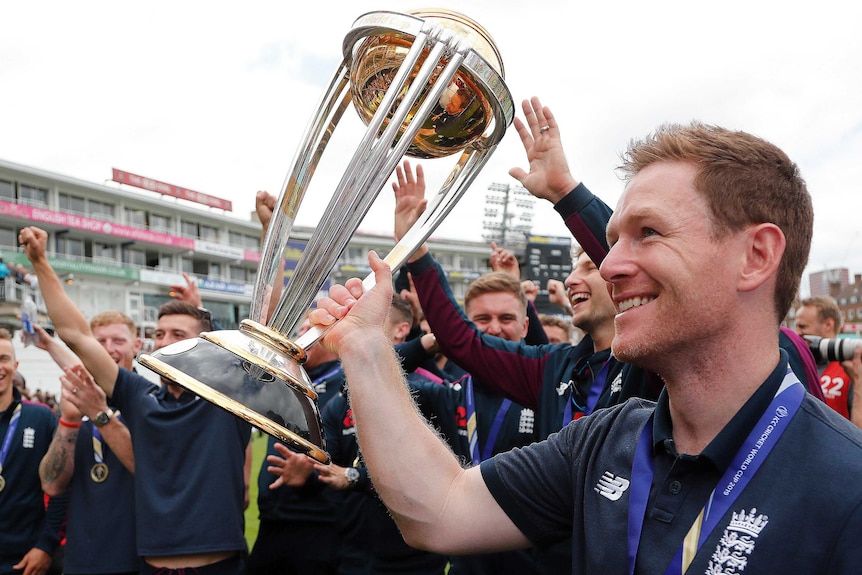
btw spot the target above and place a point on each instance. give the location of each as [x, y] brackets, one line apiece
[264, 204]
[70, 323]
[79, 396]
[557, 295]
[35, 562]
[58, 463]
[188, 293]
[61, 355]
[437, 505]
[90, 400]
[549, 178]
[410, 202]
[511, 369]
[246, 475]
[290, 468]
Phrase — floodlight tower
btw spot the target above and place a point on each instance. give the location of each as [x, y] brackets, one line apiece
[508, 215]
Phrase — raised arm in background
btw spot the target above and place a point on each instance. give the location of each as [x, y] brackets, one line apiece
[435, 502]
[71, 325]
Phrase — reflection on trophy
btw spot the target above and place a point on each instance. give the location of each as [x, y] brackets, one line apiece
[428, 84]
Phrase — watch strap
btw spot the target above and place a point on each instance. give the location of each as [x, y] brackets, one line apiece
[103, 417]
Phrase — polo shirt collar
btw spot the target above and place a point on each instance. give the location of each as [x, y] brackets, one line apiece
[16, 399]
[589, 363]
[727, 443]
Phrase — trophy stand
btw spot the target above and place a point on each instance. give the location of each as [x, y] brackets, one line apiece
[427, 84]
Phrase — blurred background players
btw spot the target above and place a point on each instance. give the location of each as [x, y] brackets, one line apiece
[174, 435]
[91, 456]
[821, 316]
[27, 538]
[557, 329]
[298, 532]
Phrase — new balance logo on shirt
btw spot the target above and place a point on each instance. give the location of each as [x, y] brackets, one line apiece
[611, 486]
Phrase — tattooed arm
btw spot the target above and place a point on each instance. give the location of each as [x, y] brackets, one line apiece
[57, 465]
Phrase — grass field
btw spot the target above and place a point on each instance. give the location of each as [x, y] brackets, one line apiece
[252, 521]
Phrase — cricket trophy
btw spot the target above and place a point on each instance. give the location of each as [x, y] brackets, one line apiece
[426, 84]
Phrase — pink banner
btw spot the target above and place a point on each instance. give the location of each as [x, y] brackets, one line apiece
[170, 190]
[93, 225]
[251, 256]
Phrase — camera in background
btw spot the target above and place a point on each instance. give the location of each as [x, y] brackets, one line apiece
[826, 349]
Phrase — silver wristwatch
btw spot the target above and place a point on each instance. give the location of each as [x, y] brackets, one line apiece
[352, 476]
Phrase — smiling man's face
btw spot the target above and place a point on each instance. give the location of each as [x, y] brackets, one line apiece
[672, 281]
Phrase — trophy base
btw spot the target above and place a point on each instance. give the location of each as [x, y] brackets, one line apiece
[256, 382]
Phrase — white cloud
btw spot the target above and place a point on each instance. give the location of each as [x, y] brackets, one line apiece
[214, 96]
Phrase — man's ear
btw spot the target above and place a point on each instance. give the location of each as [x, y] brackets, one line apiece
[764, 248]
[402, 331]
[829, 325]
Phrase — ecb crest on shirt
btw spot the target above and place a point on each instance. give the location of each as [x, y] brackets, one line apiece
[28, 441]
[737, 543]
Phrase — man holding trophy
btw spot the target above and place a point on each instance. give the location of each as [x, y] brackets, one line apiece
[708, 244]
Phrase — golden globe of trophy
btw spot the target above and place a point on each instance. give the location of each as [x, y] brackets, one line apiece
[427, 84]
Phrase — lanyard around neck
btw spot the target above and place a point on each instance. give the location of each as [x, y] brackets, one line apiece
[98, 442]
[10, 433]
[595, 392]
[473, 429]
[748, 459]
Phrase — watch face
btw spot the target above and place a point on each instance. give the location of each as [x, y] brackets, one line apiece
[101, 419]
[352, 474]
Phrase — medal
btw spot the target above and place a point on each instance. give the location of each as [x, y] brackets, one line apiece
[99, 472]
[2, 482]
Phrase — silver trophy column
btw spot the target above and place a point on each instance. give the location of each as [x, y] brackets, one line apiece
[427, 84]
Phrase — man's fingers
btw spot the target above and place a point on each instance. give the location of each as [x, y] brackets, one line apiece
[420, 177]
[408, 173]
[382, 272]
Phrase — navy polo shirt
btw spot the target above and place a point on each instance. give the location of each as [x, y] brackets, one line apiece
[189, 457]
[23, 522]
[91, 522]
[804, 511]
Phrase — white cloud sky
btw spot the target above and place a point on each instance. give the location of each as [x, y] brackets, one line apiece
[214, 96]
